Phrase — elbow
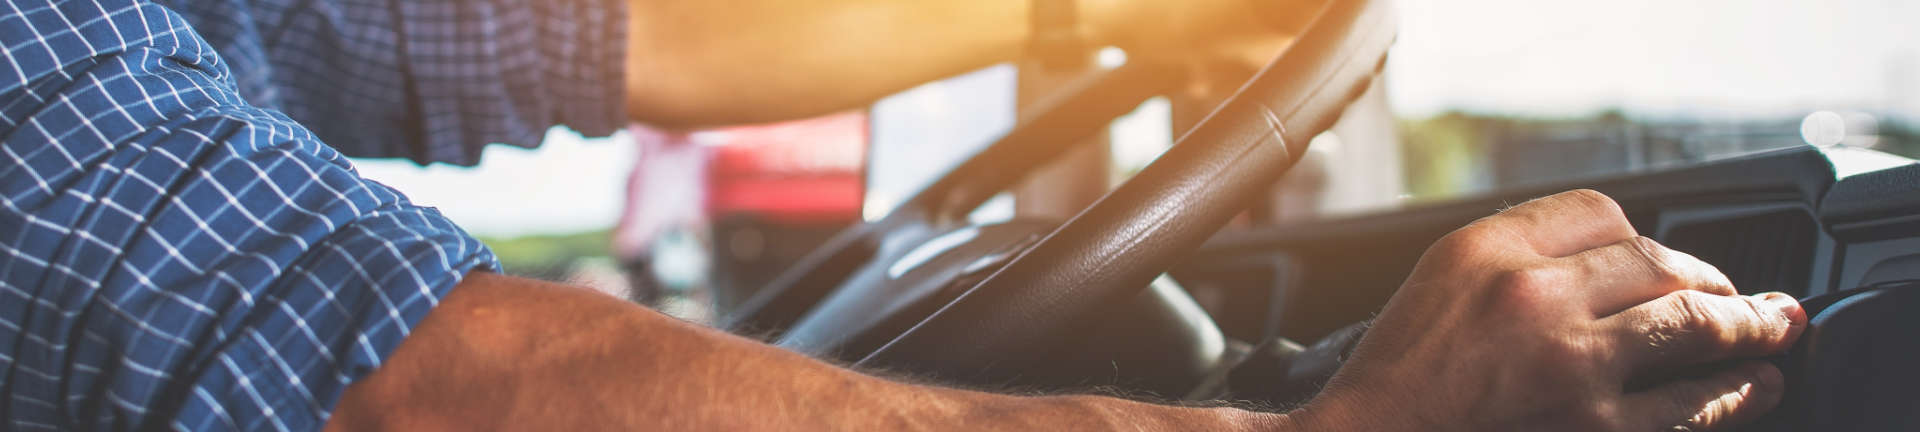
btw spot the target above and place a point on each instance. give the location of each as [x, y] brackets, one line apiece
[674, 79]
[682, 76]
[673, 104]
[689, 101]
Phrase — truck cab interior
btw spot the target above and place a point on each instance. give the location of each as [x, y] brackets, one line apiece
[1159, 287]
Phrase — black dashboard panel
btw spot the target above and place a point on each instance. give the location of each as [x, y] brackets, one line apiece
[1755, 217]
[1877, 217]
[1875, 205]
[1761, 247]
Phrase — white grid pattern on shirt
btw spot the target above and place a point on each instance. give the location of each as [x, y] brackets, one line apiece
[438, 79]
[172, 256]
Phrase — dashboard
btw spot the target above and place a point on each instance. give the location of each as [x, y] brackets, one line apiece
[1783, 220]
[1838, 228]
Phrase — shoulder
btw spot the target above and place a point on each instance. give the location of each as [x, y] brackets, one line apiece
[183, 258]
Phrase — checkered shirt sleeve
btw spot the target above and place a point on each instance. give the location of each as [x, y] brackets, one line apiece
[176, 255]
[427, 80]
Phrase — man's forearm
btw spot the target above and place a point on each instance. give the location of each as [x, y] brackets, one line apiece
[700, 63]
[697, 63]
[506, 353]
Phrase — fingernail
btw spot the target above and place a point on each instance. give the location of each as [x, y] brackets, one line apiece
[1787, 305]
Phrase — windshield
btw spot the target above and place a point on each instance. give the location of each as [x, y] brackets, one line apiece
[1482, 95]
[1478, 95]
[1498, 93]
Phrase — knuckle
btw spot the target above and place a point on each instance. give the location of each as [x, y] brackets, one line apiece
[1597, 203]
[1461, 242]
[1659, 263]
[1689, 403]
[1709, 404]
[1700, 322]
[1690, 399]
[1523, 288]
[1765, 318]
[1663, 332]
[1481, 234]
[1566, 353]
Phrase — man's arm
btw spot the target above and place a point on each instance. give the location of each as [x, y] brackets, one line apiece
[702, 63]
[502, 353]
[1533, 319]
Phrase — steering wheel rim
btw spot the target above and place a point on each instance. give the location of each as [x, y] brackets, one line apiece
[1114, 248]
[1060, 121]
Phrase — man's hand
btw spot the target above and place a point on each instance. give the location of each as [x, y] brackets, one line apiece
[1556, 315]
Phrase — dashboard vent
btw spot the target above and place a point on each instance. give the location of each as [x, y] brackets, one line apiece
[1771, 251]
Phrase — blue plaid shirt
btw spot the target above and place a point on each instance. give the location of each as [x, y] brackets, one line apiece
[179, 249]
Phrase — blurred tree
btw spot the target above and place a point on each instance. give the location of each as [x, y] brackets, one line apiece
[1442, 154]
[547, 257]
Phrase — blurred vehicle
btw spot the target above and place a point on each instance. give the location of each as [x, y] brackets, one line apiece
[752, 199]
[776, 192]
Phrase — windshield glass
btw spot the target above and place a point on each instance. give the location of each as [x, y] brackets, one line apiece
[1482, 95]
[1499, 93]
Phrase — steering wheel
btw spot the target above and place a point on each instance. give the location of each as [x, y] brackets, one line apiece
[924, 291]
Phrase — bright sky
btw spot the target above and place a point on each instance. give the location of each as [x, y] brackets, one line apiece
[1707, 58]
[1730, 57]
[569, 184]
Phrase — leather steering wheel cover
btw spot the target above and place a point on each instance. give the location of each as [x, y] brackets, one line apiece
[1053, 126]
[1114, 248]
